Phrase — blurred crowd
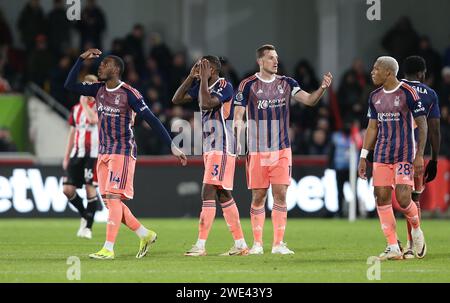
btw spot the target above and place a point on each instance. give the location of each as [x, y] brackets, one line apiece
[156, 70]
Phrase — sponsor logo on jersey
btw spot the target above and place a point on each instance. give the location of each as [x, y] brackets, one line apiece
[108, 109]
[265, 104]
[387, 117]
[419, 107]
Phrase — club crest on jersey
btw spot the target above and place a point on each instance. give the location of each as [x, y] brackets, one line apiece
[117, 100]
[397, 101]
[239, 97]
[260, 91]
[378, 102]
[280, 89]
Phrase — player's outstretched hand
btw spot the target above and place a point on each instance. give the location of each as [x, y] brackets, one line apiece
[362, 168]
[327, 79]
[430, 171]
[179, 154]
[418, 166]
[91, 54]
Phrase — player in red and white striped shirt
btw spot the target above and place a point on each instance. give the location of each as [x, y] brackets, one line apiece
[80, 160]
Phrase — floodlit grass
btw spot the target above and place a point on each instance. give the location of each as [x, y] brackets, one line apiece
[36, 250]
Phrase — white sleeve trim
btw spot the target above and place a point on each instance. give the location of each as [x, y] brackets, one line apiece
[295, 90]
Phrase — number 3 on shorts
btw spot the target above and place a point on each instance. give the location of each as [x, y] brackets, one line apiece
[215, 171]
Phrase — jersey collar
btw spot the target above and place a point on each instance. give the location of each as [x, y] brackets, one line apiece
[391, 91]
[266, 81]
[411, 81]
[115, 88]
[214, 84]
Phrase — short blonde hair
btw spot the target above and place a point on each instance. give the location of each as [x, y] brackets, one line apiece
[389, 63]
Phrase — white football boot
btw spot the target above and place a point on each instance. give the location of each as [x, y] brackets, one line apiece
[282, 249]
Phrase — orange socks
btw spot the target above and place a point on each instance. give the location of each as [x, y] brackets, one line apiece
[412, 214]
[129, 219]
[388, 223]
[257, 216]
[206, 218]
[279, 220]
[114, 220]
[409, 224]
[231, 215]
[120, 213]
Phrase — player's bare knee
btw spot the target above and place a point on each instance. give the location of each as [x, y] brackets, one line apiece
[259, 198]
[403, 195]
[382, 196]
[279, 194]
[279, 198]
[91, 191]
[382, 200]
[69, 191]
[404, 201]
[224, 195]
[415, 197]
[209, 192]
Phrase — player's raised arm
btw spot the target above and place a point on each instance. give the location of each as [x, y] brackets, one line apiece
[206, 100]
[182, 96]
[312, 99]
[142, 110]
[84, 88]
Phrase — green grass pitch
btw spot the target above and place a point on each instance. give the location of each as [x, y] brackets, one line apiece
[36, 250]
